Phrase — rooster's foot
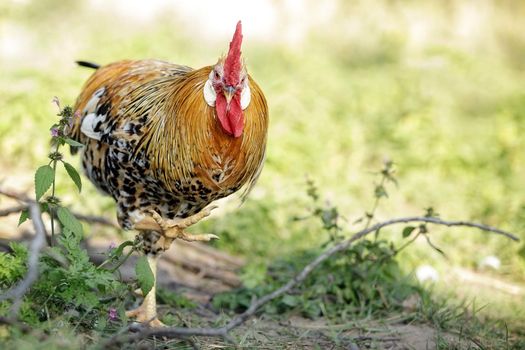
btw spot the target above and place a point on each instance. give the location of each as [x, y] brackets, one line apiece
[175, 228]
[142, 315]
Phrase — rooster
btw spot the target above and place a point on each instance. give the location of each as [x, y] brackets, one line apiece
[165, 141]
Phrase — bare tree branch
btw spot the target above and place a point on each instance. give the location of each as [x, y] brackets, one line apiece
[12, 322]
[12, 210]
[16, 293]
[93, 219]
[15, 195]
[179, 332]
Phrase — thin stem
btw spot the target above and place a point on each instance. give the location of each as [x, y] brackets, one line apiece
[102, 264]
[398, 250]
[121, 261]
[82, 319]
[370, 214]
[52, 214]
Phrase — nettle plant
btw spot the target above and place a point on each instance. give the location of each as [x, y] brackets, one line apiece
[45, 177]
[69, 286]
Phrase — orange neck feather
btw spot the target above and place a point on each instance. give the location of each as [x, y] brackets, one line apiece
[190, 141]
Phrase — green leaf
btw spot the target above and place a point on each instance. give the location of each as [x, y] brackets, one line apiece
[24, 215]
[43, 179]
[290, 300]
[44, 207]
[521, 252]
[144, 275]
[120, 248]
[73, 142]
[73, 174]
[407, 231]
[69, 220]
[380, 191]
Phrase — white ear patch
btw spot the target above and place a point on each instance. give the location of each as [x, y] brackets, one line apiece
[246, 96]
[92, 119]
[209, 93]
[89, 124]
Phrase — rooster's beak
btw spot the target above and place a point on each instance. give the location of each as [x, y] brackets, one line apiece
[229, 91]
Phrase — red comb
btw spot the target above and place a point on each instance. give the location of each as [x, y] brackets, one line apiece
[232, 65]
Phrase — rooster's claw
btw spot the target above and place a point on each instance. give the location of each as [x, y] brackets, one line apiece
[174, 228]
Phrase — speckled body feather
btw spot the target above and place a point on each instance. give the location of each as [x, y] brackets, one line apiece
[156, 144]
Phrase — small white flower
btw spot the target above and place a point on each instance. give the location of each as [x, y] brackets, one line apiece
[427, 273]
[490, 262]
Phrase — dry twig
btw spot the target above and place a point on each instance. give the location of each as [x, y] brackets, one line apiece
[16, 293]
[12, 322]
[179, 332]
[12, 210]
[92, 219]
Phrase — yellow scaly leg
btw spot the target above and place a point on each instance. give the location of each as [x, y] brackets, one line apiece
[147, 312]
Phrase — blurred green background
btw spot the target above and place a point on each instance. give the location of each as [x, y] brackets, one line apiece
[435, 86]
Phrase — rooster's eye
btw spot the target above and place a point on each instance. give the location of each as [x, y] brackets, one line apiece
[217, 76]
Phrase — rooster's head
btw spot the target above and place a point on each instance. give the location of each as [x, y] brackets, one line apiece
[227, 87]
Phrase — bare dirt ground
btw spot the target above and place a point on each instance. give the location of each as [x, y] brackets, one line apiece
[300, 333]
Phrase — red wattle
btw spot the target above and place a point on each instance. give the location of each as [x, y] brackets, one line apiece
[231, 117]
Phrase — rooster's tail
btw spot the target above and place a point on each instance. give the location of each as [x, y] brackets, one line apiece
[88, 64]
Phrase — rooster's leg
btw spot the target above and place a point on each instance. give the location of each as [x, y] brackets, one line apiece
[175, 229]
[147, 312]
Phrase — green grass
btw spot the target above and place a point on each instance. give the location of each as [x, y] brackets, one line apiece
[448, 110]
